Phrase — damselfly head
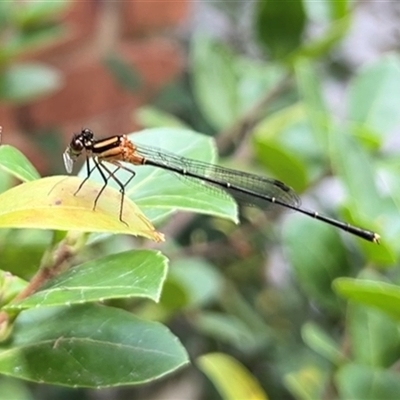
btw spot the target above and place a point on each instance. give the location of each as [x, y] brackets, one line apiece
[80, 142]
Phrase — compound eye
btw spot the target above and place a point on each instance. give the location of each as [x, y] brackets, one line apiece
[87, 133]
[77, 145]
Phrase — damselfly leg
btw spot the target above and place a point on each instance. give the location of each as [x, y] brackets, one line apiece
[100, 167]
[245, 188]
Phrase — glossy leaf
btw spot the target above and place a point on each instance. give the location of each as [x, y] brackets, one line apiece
[215, 82]
[14, 162]
[122, 275]
[25, 82]
[49, 203]
[373, 94]
[381, 295]
[355, 381]
[158, 192]
[279, 27]
[230, 377]
[89, 346]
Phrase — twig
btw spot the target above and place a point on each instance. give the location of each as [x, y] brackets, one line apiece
[53, 263]
[234, 136]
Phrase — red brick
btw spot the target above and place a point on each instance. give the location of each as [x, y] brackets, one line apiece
[158, 61]
[111, 122]
[7, 118]
[90, 89]
[143, 17]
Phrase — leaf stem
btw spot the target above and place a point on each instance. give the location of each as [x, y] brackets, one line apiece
[54, 262]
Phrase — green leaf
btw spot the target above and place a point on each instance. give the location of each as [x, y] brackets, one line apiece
[22, 250]
[22, 83]
[355, 168]
[355, 381]
[191, 284]
[123, 275]
[255, 79]
[317, 256]
[381, 295]
[50, 203]
[174, 297]
[290, 130]
[214, 82]
[158, 192]
[27, 42]
[324, 12]
[373, 96]
[37, 13]
[272, 127]
[10, 286]
[323, 43]
[151, 117]
[89, 346]
[6, 9]
[225, 328]
[283, 164]
[279, 27]
[15, 390]
[236, 306]
[230, 377]
[14, 162]
[366, 328]
[6, 180]
[307, 383]
[314, 103]
[201, 280]
[321, 343]
[127, 77]
[339, 9]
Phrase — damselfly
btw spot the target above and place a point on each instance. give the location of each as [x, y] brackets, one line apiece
[245, 188]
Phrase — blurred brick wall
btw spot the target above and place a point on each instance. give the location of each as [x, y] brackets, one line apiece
[137, 31]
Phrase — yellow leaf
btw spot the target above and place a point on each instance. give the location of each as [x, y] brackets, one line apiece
[232, 380]
[50, 203]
